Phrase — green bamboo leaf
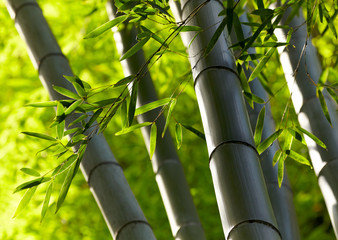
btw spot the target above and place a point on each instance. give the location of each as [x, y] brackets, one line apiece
[111, 113]
[149, 33]
[93, 118]
[150, 106]
[134, 49]
[64, 189]
[30, 171]
[309, 6]
[188, 28]
[80, 90]
[105, 27]
[72, 107]
[46, 201]
[153, 137]
[281, 163]
[79, 137]
[277, 156]
[263, 12]
[267, 142]
[105, 102]
[60, 129]
[60, 110]
[73, 79]
[171, 108]
[133, 128]
[42, 104]
[52, 145]
[66, 92]
[32, 183]
[313, 137]
[132, 104]
[216, 35]
[261, 64]
[195, 131]
[24, 201]
[244, 83]
[73, 130]
[324, 106]
[39, 135]
[124, 114]
[65, 165]
[330, 21]
[253, 97]
[124, 81]
[238, 28]
[299, 158]
[259, 126]
[297, 135]
[251, 57]
[179, 137]
[79, 119]
[333, 94]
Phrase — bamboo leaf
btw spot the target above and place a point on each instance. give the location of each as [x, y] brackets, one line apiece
[60, 128]
[52, 145]
[171, 108]
[259, 126]
[46, 201]
[133, 128]
[24, 201]
[80, 90]
[105, 102]
[105, 27]
[195, 131]
[132, 104]
[65, 165]
[267, 142]
[66, 92]
[30, 171]
[261, 64]
[42, 104]
[64, 189]
[297, 157]
[150, 106]
[124, 81]
[124, 114]
[32, 183]
[313, 137]
[277, 156]
[93, 118]
[188, 28]
[134, 49]
[324, 106]
[263, 12]
[253, 97]
[73, 130]
[39, 135]
[179, 137]
[333, 94]
[238, 28]
[330, 21]
[72, 107]
[104, 122]
[281, 163]
[73, 79]
[297, 135]
[79, 119]
[216, 35]
[153, 136]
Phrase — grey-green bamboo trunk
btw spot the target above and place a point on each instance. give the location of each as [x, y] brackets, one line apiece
[170, 178]
[103, 174]
[241, 193]
[281, 198]
[301, 82]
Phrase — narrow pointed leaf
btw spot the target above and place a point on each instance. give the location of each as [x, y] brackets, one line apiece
[124, 81]
[72, 107]
[324, 106]
[46, 200]
[238, 28]
[259, 126]
[40, 135]
[79, 119]
[277, 156]
[66, 92]
[80, 90]
[313, 137]
[72, 130]
[329, 20]
[105, 121]
[297, 135]
[194, 130]
[30, 171]
[299, 158]
[134, 49]
[267, 142]
[60, 128]
[105, 27]
[171, 108]
[261, 64]
[25, 200]
[73, 79]
[32, 183]
[178, 132]
[133, 128]
[124, 114]
[216, 35]
[64, 165]
[188, 29]
[64, 189]
[93, 118]
[333, 94]
[281, 164]
[132, 104]
[42, 104]
[153, 137]
[150, 106]
[105, 102]
[52, 145]
[253, 97]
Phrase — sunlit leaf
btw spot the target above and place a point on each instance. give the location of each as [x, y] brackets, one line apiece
[65, 165]
[179, 138]
[150, 106]
[60, 128]
[324, 106]
[30, 171]
[42, 104]
[64, 189]
[297, 135]
[79, 119]
[281, 163]
[261, 64]
[313, 137]
[32, 183]
[267, 142]
[124, 81]
[80, 90]
[24, 201]
[103, 28]
[132, 103]
[134, 49]
[277, 156]
[93, 118]
[39, 135]
[133, 128]
[329, 20]
[333, 94]
[46, 200]
[299, 158]
[253, 97]
[66, 92]
[72, 107]
[171, 108]
[259, 126]
[153, 137]
[188, 28]
[216, 35]
[124, 114]
[194, 130]
[105, 102]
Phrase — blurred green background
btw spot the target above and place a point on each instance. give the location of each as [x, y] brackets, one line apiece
[96, 61]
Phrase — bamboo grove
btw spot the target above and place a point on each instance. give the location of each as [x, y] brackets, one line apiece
[228, 44]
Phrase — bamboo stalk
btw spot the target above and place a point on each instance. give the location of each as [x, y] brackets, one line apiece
[105, 177]
[281, 198]
[242, 197]
[302, 71]
[178, 202]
